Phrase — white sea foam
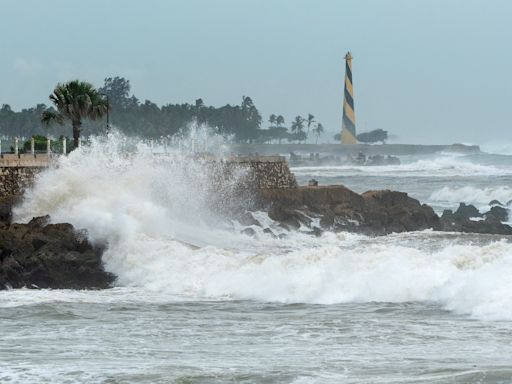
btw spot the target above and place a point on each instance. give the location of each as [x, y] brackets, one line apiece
[443, 165]
[480, 197]
[149, 210]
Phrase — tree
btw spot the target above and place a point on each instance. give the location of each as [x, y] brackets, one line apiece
[373, 136]
[117, 89]
[75, 100]
[272, 120]
[310, 120]
[297, 128]
[318, 130]
[280, 121]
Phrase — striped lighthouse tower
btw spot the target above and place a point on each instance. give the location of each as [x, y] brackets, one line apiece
[348, 126]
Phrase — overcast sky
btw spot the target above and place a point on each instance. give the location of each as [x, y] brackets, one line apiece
[436, 71]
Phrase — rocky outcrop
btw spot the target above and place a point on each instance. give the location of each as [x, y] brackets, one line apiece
[340, 209]
[337, 208]
[467, 218]
[41, 255]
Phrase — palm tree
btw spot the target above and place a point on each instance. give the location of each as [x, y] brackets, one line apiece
[318, 130]
[297, 128]
[310, 120]
[279, 121]
[272, 120]
[75, 100]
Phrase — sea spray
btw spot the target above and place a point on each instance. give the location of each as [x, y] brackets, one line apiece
[150, 208]
[479, 196]
[442, 165]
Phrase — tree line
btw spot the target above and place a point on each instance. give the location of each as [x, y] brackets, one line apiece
[79, 107]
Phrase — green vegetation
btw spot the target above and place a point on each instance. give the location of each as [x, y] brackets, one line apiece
[373, 136]
[40, 143]
[75, 101]
[368, 137]
[80, 107]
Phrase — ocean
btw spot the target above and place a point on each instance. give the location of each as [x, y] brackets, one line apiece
[422, 307]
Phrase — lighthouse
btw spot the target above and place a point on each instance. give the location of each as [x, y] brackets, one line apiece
[348, 125]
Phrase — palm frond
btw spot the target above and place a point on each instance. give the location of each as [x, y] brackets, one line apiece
[49, 117]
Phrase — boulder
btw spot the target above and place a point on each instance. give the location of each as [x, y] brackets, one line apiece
[495, 202]
[247, 219]
[249, 232]
[390, 211]
[41, 255]
[269, 232]
[498, 212]
[340, 209]
[465, 212]
[6, 204]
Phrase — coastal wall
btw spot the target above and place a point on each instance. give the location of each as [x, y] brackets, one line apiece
[265, 172]
[17, 172]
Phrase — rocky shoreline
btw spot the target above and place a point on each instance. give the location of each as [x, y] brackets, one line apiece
[337, 208]
[43, 255]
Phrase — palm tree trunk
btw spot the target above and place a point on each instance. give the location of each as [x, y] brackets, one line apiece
[76, 132]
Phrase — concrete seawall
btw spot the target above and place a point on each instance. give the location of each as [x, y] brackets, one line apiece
[263, 172]
[18, 172]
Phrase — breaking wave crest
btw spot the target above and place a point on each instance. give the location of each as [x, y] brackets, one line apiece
[472, 195]
[443, 165]
[154, 214]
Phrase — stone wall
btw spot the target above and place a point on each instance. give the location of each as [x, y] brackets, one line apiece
[266, 172]
[14, 179]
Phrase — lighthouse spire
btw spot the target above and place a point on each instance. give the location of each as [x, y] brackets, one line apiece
[348, 125]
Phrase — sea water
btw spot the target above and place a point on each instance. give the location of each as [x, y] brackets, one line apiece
[196, 301]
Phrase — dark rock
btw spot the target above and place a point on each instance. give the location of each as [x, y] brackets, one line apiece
[288, 217]
[248, 219]
[339, 208]
[316, 232]
[491, 225]
[49, 256]
[464, 212]
[447, 215]
[269, 232]
[6, 204]
[495, 202]
[249, 232]
[498, 212]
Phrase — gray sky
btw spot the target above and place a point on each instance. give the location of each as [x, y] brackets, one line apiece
[436, 71]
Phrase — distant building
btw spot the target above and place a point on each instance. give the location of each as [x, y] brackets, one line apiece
[348, 125]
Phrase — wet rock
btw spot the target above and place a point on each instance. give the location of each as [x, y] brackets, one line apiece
[491, 225]
[249, 232]
[498, 212]
[247, 219]
[316, 232]
[464, 223]
[6, 204]
[268, 231]
[49, 256]
[390, 211]
[495, 202]
[288, 217]
[340, 209]
[464, 212]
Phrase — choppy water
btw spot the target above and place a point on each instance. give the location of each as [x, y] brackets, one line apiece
[342, 308]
